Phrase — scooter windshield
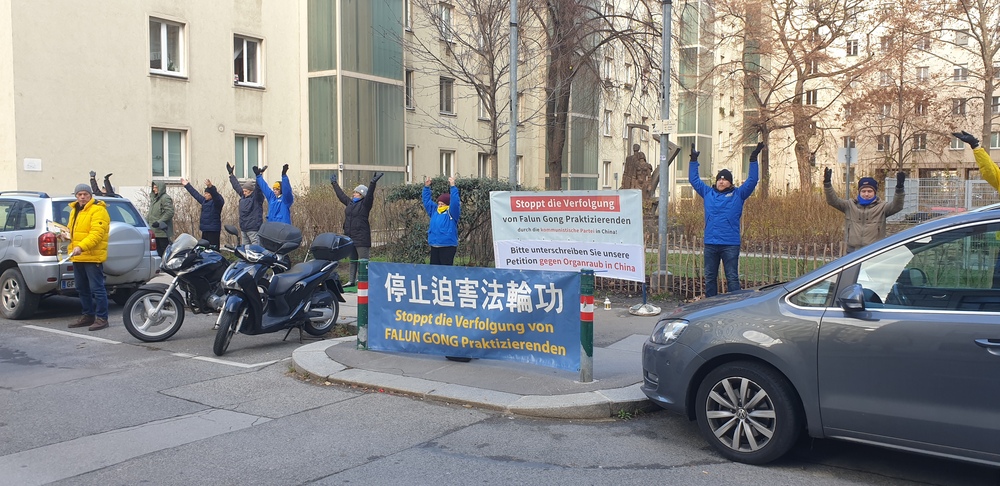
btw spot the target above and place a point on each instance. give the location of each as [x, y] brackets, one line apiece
[183, 242]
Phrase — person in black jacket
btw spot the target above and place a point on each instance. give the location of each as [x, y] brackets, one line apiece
[108, 190]
[251, 208]
[211, 211]
[356, 226]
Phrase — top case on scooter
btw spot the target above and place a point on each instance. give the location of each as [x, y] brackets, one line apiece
[331, 246]
[273, 235]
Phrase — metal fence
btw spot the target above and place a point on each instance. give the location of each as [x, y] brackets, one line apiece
[933, 197]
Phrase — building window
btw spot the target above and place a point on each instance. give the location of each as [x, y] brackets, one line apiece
[994, 141]
[920, 108]
[410, 153]
[812, 66]
[886, 110]
[995, 106]
[483, 165]
[884, 78]
[811, 97]
[447, 96]
[852, 47]
[625, 123]
[408, 94]
[885, 42]
[850, 142]
[882, 143]
[962, 37]
[923, 73]
[246, 61]
[448, 163]
[960, 73]
[642, 133]
[920, 141]
[520, 109]
[608, 68]
[168, 152]
[628, 75]
[958, 106]
[481, 110]
[924, 43]
[166, 47]
[446, 27]
[248, 155]
[606, 123]
[606, 173]
[957, 144]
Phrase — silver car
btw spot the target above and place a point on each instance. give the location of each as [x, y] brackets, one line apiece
[896, 344]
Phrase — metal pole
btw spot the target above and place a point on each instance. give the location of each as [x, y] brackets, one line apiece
[664, 139]
[513, 96]
[586, 325]
[847, 191]
[363, 304]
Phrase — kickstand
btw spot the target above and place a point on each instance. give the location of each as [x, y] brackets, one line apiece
[290, 331]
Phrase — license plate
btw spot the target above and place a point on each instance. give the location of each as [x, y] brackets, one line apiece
[67, 284]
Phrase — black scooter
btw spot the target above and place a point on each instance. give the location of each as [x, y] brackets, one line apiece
[306, 296]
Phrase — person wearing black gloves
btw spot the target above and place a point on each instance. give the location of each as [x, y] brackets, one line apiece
[211, 211]
[161, 215]
[723, 210]
[357, 208]
[865, 214]
[108, 189]
[251, 208]
[279, 196]
[987, 168]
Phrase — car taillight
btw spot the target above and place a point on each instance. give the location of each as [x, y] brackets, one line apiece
[152, 241]
[48, 244]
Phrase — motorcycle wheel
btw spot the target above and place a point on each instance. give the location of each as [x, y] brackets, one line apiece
[227, 327]
[329, 301]
[141, 304]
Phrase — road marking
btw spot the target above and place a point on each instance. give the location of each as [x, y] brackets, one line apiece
[71, 458]
[73, 334]
[226, 362]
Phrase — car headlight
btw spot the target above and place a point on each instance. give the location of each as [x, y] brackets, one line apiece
[668, 330]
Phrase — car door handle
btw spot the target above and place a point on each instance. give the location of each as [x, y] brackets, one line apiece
[939, 296]
[991, 345]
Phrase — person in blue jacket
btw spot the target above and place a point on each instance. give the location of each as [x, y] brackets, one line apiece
[723, 210]
[211, 202]
[442, 235]
[279, 196]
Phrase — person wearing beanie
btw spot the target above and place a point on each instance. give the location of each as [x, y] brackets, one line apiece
[866, 215]
[357, 209]
[442, 234]
[723, 210]
[251, 208]
[279, 196]
[211, 202]
[89, 224]
[161, 215]
[988, 169]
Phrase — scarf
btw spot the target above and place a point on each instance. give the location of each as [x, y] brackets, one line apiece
[864, 202]
[356, 199]
[442, 209]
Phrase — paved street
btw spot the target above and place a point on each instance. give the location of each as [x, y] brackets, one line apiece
[111, 410]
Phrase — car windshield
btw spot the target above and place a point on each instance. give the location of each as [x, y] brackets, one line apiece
[120, 210]
[182, 243]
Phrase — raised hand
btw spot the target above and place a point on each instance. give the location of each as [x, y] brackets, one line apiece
[229, 168]
[827, 175]
[377, 176]
[967, 138]
[256, 170]
[756, 151]
[184, 181]
[108, 175]
[284, 169]
[93, 174]
[900, 178]
[262, 169]
[333, 179]
[694, 153]
[451, 181]
[427, 182]
[208, 183]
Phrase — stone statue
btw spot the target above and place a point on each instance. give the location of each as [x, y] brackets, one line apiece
[637, 172]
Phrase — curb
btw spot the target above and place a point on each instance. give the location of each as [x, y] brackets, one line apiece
[312, 360]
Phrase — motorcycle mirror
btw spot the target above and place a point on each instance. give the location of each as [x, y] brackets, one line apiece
[231, 230]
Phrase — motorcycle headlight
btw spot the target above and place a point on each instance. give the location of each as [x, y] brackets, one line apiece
[174, 263]
[668, 330]
[253, 256]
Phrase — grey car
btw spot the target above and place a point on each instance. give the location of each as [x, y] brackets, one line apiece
[896, 344]
[31, 257]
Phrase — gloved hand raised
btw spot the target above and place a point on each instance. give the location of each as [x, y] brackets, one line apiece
[827, 176]
[377, 176]
[284, 169]
[694, 153]
[333, 179]
[156, 224]
[256, 170]
[900, 177]
[756, 151]
[108, 175]
[967, 138]
[93, 174]
[229, 168]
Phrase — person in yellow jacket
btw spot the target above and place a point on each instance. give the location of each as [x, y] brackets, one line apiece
[987, 168]
[89, 224]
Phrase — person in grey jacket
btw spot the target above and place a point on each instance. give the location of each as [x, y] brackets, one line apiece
[865, 214]
[161, 215]
[251, 208]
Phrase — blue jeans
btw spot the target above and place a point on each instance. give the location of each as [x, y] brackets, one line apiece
[90, 285]
[729, 255]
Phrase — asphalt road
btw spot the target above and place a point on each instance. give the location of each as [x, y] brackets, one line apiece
[112, 410]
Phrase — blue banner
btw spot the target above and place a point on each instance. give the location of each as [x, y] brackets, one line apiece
[514, 315]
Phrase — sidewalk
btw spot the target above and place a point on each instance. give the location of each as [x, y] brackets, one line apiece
[516, 388]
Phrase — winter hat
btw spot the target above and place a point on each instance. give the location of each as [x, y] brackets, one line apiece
[868, 181]
[276, 186]
[361, 189]
[724, 174]
[83, 188]
[444, 198]
[249, 185]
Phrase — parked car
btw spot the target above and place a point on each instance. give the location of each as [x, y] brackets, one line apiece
[30, 254]
[896, 344]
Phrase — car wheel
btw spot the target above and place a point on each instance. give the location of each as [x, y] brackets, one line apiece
[748, 412]
[16, 301]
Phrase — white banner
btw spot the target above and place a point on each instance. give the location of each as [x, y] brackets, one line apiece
[570, 230]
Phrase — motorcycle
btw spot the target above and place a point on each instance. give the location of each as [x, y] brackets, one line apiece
[197, 272]
[259, 300]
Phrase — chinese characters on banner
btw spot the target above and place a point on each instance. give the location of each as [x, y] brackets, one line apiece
[514, 315]
[570, 231]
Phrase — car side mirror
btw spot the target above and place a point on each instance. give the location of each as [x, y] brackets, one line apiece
[852, 299]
